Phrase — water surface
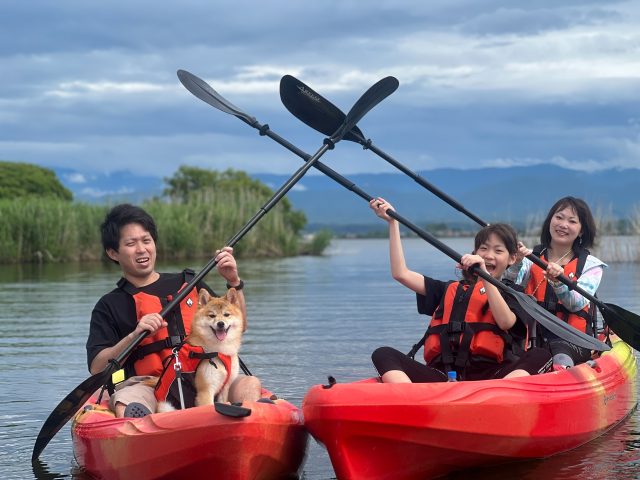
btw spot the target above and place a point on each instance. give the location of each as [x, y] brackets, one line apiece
[309, 317]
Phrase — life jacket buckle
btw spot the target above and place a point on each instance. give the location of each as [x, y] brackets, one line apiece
[455, 326]
[173, 341]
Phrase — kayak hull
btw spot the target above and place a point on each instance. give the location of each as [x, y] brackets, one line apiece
[415, 431]
[190, 444]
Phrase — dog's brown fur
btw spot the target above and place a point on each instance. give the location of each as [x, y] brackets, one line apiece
[217, 326]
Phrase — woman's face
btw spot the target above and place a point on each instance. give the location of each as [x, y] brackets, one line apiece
[564, 227]
[495, 255]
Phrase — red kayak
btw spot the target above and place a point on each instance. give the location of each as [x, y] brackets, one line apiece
[197, 443]
[373, 430]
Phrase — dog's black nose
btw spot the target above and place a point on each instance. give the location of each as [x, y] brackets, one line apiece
[220, 325]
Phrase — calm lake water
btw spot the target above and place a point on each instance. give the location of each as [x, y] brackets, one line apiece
[309, 317]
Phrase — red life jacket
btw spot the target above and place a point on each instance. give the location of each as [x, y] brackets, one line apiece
[149, 355]
[462, 326]
[539, 288]
[190, 357]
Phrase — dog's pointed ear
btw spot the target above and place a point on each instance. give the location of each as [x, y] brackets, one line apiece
[203, 297]
[232, 297]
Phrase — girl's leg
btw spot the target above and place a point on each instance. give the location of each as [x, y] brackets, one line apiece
[394, 366]
[532, 362]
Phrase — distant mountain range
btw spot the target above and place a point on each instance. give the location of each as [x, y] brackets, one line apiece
[513, 194]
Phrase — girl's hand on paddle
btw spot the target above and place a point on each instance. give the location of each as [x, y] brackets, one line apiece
[380, 206]
[150, 322]
[523, 251]
[468, 260]
[227, 266]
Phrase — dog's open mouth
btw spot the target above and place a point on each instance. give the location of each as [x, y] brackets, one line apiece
[221, 333]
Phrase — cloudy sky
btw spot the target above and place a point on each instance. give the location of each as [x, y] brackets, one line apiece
[92, 86]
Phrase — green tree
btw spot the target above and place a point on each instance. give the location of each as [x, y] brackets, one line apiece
[26, 180]
[188, 182]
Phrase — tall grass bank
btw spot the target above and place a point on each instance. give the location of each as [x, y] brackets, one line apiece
[51, 230]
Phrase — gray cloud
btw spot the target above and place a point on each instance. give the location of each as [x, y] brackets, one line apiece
[92, 87]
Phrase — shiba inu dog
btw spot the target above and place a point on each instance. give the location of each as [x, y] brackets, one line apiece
[216, 328]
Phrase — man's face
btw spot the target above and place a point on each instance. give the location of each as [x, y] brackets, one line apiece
[136, 252]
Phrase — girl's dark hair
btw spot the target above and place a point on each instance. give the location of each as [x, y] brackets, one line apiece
[588, 234]
[503, 231]
[118, 217]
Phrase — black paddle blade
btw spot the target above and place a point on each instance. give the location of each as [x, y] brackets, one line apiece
[314, 110]
[369, 99]
[624, 323]
[66, 409]
[204, 92]
[230, 410]
[555, 325]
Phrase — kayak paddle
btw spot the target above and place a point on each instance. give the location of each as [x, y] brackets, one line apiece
[76, 398]
[545, 318]
[320, 114]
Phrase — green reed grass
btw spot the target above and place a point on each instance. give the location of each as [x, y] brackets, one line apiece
[45, 230]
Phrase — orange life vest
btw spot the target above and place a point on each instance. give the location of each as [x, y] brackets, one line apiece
[462, 326]
[149, 355]
[190, 357]
[539, 288]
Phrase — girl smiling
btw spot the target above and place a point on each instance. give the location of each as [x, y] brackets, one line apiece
[469, 333]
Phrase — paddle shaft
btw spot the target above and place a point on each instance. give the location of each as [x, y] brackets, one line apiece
[626, 321]
[443, 196]
[72, 402]
[323, 115]
[347, 125]
[368, 145]
[572, 285]
[349, 185]
[282, 191]
[534, 308]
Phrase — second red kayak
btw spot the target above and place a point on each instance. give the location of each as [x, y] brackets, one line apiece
[373, 430]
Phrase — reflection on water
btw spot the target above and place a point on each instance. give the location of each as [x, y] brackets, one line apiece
[309, 317]
[615, 455]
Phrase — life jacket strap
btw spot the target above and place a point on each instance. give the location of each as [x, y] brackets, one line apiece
[458, 356]
[155, 347]
[205, 356]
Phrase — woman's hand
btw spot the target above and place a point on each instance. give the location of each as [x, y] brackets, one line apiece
[523, 251]
[380, 206]
[553, 271]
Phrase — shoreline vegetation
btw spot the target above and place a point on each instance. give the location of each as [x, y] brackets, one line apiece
[199, 212]
[36, 230]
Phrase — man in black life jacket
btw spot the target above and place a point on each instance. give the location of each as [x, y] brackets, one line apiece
[129, 238]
